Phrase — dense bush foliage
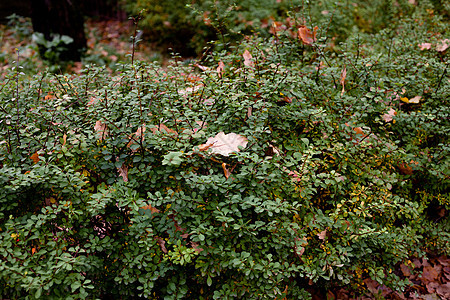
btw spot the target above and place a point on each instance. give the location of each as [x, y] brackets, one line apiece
[109, 188]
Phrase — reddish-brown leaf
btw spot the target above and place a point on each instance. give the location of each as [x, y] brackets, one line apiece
[443, 290]
[306, 36]
[196, 247]
[405, 270]
[35, 157]
[405, 169]
[152, 209]
[161, 243]
[430, 273]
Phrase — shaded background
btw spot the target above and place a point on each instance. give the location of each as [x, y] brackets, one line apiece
[103, 9]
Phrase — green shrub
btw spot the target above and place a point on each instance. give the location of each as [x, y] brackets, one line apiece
[110, 189]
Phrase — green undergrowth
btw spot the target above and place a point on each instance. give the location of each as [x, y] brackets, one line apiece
[112, 188]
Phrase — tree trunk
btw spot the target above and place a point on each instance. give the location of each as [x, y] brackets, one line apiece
[61, 17]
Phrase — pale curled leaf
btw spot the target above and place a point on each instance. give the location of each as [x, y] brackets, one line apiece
[203, 68]
[443, 45]
[220, 68]
[190, 90]
[425, 46]
[224, 144]
[322, 235]
[101, 129]
[248, 59]
[416, 99]
[300, 249]
[387, 117]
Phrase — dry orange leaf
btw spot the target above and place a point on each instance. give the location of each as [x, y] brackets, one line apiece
[225, 170]
[359, 130]
[405, 169]
[35, 157]
[49, 96]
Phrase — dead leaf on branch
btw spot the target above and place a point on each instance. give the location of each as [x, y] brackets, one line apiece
[161, 128]
[416, 99]
[224, 144]
[35, 157]
[161, 243]
[152, 209]
[137, 136]
[322, 235]
[425, 46]
[196, 247]
[226, 172]
[190, 90]
[388, 117]
[342, 81]
[203, 68]
[220, 69]
[306, 36]
[101, 129]
[123, 172]
[248, 59]
[443, 45]
[300, 250]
